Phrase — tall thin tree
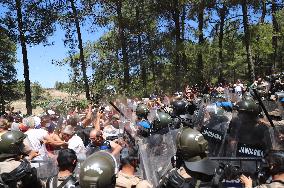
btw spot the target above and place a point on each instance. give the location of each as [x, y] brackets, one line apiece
[81, 49]
[249, 60]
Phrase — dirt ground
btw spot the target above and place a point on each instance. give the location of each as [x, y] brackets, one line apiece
[20, 105]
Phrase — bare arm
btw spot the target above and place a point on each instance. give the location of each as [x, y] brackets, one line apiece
[116, 148]
[49, 140]
[96, 123]
[88, 118]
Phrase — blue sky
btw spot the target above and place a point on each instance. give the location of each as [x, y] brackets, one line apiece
[40, 57]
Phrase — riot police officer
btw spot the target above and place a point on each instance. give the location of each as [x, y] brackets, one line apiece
[161, 123]
[192, 165]
[244, 128]
[15, 171]
[142, 111]
[182, 112]
[98, 170]
[179, 107]
[143, 124]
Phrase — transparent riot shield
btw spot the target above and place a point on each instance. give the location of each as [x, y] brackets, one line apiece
[199, 115]
[45, 168]
[214, 129]
[280, 103]
[235, 97]
[244, 142]
[156, 152]
[274, 138]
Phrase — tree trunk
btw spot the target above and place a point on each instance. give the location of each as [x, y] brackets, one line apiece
[2, 101]
[223, 12]
[183, 58]
[152, 65]
[176, 14]
[80, 46]
[276, 31]
[200, 66]
[25, 58]
[263, 11]
[140, 58]
[247, 41]
[123, 43]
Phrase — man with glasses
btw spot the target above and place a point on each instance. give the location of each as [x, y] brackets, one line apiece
[99, 143]
[74, 142]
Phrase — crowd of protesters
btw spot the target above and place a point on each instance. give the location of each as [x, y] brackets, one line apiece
[72, 138]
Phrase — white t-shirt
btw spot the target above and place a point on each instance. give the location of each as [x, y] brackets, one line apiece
[239, 88]
[76, 143]
[110, 131]
[36, 137]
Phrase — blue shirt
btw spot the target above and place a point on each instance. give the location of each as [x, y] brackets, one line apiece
[145, 124]
[225, 104]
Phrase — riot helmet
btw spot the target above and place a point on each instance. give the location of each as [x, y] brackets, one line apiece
[162, 121]
[192, 148]
[142, 111]
[248, 97]
[191, 144]
[275, 161]
[215, 110]
[179, 107]
[11, 142]
[98, 170]
[249, 107]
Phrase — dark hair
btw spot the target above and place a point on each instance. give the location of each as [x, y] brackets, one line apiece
[275, 159]
[73, 121]
[66, 159]
[131, 158]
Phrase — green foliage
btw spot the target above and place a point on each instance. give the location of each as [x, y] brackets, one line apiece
[160, 45]
[7, 70]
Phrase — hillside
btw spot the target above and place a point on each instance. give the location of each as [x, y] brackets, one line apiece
[20, 105]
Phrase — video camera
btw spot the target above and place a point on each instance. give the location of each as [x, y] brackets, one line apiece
[228, 171]
[112, 138]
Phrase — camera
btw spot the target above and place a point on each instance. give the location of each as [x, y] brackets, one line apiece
[102, 109]
[227, 171]
[112, 138]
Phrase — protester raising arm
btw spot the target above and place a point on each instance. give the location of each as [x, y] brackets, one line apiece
[88, 119]
[96, 123]
[116, 148]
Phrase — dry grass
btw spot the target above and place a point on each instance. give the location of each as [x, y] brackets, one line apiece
[20, 105]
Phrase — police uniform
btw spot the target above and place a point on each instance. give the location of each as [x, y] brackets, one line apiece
[14, 171]
[128, 181]
[9, 165]
[64, 182]
[17, 173]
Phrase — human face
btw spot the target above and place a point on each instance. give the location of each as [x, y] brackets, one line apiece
[97, 138]
[66, 137]
[115, 123]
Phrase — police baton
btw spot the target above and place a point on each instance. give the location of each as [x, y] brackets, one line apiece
[117, 109]
[125, 132]
[263, 107]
